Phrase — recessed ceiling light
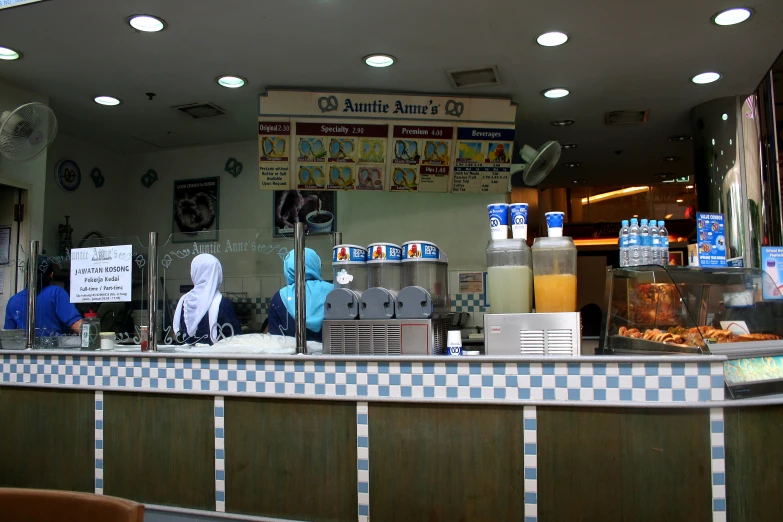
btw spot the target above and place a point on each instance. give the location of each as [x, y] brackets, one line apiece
[552, 39]
[9, 54]
[569, 146]
[689, 187]
[733, 16]
[555, 93]
[679, 137]
[563, 123]
[671, 158]
[572, 165]
[578, 182]
[232, 82]
[107, 100]
[679, 201]
[724, 117]
[379, 60]
[147, 23]
[707, 77]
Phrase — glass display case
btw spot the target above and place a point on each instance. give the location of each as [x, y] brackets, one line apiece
[721, 311]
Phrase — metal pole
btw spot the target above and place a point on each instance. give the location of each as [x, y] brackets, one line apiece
[32, 272]
[337, 238]
[152, 296]
[299, 281]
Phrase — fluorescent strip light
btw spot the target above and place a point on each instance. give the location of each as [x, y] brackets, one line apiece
[615, 194]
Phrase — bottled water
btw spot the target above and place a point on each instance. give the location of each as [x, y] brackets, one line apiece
[656, 243]
[634, 244]
[625, 255]
[646, 240]
[664, 235]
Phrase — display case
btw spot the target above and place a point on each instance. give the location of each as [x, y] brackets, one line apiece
[720, 311]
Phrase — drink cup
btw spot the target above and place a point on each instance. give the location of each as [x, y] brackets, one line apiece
[454, 342]
[518, 218]
[498, 220]
[554, 223]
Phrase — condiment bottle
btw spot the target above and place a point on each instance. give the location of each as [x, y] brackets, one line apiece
[91, 331]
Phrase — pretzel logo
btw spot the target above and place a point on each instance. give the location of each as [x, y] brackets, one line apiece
[327, 103]
[455, 108]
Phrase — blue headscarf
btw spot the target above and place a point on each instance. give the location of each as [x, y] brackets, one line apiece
[315, 288]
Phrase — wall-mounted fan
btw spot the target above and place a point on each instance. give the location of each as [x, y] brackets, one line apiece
[27, 131]
[537, 164]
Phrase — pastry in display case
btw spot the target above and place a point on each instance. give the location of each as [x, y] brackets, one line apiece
[685, 310]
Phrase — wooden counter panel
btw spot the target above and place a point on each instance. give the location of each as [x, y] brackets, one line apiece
[291, 459]
[47, 439]
[627, 464]
[754, 463]
[160, 449]
[444, 463]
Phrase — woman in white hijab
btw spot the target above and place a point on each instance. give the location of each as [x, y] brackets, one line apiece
[203, 315]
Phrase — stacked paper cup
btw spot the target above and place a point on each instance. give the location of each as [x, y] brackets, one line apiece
[501, 215]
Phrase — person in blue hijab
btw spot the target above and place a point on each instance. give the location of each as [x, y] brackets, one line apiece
[54, 313]
[282, 309]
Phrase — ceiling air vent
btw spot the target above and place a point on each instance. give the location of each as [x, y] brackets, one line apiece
[200, 110]
[626, 117]
[462, 78]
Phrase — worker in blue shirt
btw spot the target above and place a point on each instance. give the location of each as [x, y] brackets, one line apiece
[282, 309]
[54, 313]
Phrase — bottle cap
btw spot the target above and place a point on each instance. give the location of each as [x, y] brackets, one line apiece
[90, 314]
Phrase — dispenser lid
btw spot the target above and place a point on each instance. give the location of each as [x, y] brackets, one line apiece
[422, 251]
[553, 243]
[384, 253]
[507, 245]
[349, 254]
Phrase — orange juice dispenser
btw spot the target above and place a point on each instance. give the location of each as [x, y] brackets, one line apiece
[554, 274]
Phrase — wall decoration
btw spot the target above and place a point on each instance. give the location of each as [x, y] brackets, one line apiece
[149, 178]
[97, 177]
[675, 259]
[68, 175]
[233, 167]
[5, 245]
[317, 209]
[196, 210]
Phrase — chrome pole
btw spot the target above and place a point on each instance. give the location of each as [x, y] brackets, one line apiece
[152, 295]
[32, 272]
[299, 282]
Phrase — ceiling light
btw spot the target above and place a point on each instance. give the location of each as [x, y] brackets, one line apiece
[578, 182]
[555, 93]
[671, 158]
[679, 137]
[707, 77]
[147, 23]
[668, 216]
[552, 39]
[107, 100]
[9, 54]
[563, 123]
[724, 117]
[733, 16]
[567, 146]
[713, 141]
[379, 60]
[679, 201]
[232, 82]
[573, 165]
[616, 194]
[689, 187]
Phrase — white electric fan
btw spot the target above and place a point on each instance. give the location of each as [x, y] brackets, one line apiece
[537, 164]
[27, 131]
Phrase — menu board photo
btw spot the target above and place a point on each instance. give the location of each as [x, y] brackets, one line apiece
[483, 162]
[711, 239]
[421, 160]
[340, 156]
[273, 160]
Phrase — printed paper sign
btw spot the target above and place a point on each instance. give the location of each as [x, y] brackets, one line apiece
[471, 282]
[772, 265]
[101, 274]
[711, 240]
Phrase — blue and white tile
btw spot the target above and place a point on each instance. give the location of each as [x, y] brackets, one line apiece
[99, 442]
[363, 460]
[220, 456]
[718, 464]
[531, 463]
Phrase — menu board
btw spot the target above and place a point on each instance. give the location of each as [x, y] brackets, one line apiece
[483, 159]
[711, 239]
[340, 156]
[421, 158]
[273, 149]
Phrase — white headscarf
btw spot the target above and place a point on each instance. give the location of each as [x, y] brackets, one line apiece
[207, 276]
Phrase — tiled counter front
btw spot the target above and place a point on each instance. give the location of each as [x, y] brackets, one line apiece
[430, 419]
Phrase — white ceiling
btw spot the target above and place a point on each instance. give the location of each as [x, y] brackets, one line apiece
[621, 55]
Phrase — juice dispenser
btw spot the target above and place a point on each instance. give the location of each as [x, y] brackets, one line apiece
[554, 274]
[349, 271]
[425, 276]
[384, 277]
[509, 276]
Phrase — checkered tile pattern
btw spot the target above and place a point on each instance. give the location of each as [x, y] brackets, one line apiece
[718, 465]
[363, 460]
[467, 303]
[99, 442]
[531, 463]
[642, 382]
[220, 457]
[258, 305]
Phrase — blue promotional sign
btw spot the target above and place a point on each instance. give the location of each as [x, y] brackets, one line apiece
[772, 265]
[711, 239]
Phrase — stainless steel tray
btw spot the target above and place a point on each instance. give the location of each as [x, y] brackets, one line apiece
[621, 344]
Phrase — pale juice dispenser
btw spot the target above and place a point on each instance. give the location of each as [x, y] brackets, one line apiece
[509, 276]
[554, 274]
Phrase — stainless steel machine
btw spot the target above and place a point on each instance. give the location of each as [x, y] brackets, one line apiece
[533, 334]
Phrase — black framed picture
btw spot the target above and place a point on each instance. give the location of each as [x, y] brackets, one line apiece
[196, 210]
[316, 209]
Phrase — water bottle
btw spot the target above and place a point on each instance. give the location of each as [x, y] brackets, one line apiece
[625, 255]
[664, 235]
[656, 243]
[646, 240]
[634, 244]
